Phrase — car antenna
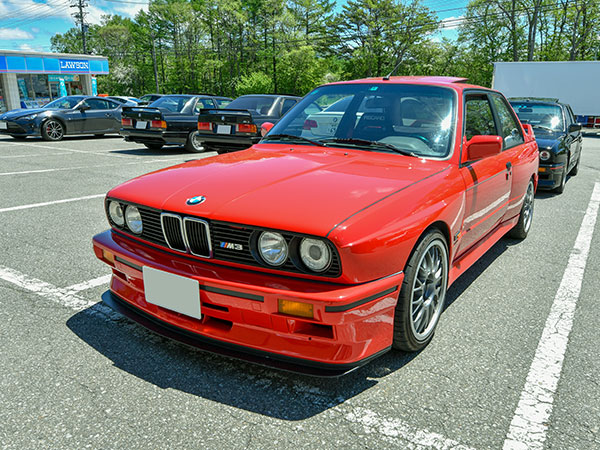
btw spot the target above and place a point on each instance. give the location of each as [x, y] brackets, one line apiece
[387, 77]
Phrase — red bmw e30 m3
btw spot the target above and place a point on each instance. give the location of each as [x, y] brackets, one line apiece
[336, 237]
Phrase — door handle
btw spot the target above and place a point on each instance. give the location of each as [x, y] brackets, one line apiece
[508, 166]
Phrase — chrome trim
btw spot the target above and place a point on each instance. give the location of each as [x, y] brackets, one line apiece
[187, 242]
[183, 237]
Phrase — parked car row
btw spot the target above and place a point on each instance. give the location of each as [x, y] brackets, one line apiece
[336, 237]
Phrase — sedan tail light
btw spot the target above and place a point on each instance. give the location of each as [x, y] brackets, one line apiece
[308, 124]
[246, 128]
[158, 124]
[204, 126]
[126, 122]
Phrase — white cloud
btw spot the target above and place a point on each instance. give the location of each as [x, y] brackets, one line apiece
[12, 34]
[130, 10]
[451, 23]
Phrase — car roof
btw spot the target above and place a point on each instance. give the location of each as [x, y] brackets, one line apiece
[456, 83]
[537, 101]
[269, 95]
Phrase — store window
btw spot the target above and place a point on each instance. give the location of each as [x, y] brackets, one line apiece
[34, 90]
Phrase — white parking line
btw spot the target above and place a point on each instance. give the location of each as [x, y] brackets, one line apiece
[27, 172]
[81, 151]
[104, 279]
[529, 425]
[55, 202]
[33, 156]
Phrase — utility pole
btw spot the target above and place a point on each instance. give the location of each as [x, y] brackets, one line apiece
[79, 18]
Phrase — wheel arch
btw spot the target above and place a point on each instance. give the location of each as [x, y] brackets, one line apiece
[58, 119]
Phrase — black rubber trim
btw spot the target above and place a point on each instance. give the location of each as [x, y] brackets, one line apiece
[128, 263]
[260, 357]
[348, 306]
[258, 298]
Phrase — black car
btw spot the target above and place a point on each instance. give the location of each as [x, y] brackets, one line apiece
[238, 125]
[74, 114]
[170, 120]
[558, 136]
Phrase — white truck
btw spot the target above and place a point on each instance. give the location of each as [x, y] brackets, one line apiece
[571, 82]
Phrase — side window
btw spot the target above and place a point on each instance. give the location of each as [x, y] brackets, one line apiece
[203, 103]
[95, 103]
[479, 119]
[287, 105]
[568, 116]
[510, 130]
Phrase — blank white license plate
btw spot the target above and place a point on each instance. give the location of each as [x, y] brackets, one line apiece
[3, 126]
[141, 124]
[223, 129]
[173, 292]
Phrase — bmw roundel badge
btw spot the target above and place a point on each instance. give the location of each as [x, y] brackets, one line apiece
[196, 200]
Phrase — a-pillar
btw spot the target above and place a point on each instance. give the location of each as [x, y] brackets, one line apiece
[86, 84]
[11, 90]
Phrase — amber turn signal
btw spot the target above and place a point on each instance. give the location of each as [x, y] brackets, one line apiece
[296, 308]
[108, 257]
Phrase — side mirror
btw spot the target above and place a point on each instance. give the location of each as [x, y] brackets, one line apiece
[479, 147]
[83, 107]
[529, 131]
[575, 127]
[266, 127]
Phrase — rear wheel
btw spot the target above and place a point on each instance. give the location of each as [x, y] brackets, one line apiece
[154, 146]
[423, 293]
[523, 226]
[52, 130]
[193, 143]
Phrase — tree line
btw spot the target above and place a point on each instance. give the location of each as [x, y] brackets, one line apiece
[234, 47]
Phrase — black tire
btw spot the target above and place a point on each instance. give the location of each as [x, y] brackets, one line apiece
[428, 267]
[99, 135]
[193, 144]
[563, 181]
[575, 170]
[521, 229]
[154, 146]
[52, 130]
[17, 137]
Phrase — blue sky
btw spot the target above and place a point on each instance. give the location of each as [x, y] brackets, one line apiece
[29, 24]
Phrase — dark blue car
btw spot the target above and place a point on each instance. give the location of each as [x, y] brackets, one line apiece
[75, 114]
[558, 136]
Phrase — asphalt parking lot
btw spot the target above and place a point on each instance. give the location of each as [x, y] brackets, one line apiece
[76, 375]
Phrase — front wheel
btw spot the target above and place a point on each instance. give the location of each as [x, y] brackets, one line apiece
[52, 130]
[193, 143]
[521, 229]
[575, 170]
[423, 293]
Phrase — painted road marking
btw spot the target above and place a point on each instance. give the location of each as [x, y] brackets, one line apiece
[81, 151]
[33, 156]
[55, 202]
[104, 279]
[26, 172]
[395, 428]
[529, 425]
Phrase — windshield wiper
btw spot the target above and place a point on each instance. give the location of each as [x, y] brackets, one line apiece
[291, 137]
[367, 143]
[542, 127]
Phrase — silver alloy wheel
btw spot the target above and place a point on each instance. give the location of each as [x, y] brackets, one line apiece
[429, 290]
[54, 130]
[528, 207]
[195, 142]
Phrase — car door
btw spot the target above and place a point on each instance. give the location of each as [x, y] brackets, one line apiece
[97, 116]
[516, 151]
[487, 180]
[575, 137]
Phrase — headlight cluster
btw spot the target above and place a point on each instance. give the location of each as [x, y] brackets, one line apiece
[545, 155]
[29, 117]
[131, 216]
[314, 254]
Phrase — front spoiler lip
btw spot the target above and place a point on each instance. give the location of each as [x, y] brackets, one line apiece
[260, 357]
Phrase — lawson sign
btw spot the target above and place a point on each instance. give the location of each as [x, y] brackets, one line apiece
[74, 65]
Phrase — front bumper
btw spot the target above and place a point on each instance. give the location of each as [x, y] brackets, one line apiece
[352, 323]
[550, 175]
[20, 128]
[154, 136]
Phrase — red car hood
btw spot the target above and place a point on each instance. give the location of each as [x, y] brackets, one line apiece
[303, 189]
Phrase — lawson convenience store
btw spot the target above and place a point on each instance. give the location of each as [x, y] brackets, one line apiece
[31, 79]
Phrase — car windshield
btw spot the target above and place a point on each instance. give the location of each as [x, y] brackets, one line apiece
[412, 119]
[539, 115]
[173, 103]
[63, 103]
[256, 104]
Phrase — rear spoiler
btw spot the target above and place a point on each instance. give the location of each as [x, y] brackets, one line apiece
[139, 109]
[235, 112]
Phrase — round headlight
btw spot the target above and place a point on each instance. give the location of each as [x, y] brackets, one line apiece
[315, 254]
[273, 248]
[116, 213]
[545, 155]
[133, 219]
